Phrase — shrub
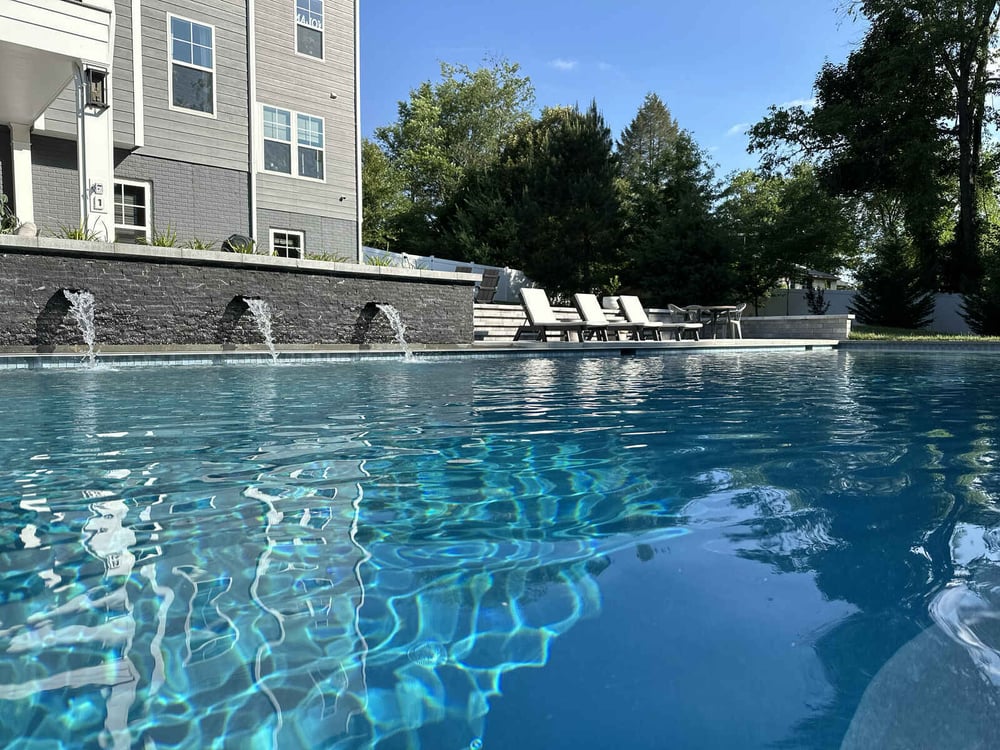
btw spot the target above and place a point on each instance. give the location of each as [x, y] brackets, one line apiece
[8, 221]
[815, 300]
[80, 232]
[197, 244]
[166, 238]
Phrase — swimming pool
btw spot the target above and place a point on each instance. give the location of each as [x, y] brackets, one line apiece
[713, 550]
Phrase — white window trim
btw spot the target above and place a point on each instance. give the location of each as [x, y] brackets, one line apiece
[294, 174]
[213, 115]
[147, 189]
[295, 33]
[298, 233]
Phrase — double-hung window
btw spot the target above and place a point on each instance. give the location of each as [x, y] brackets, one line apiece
[309, 28]
[132, 211]
[293, 143]
[192, 66]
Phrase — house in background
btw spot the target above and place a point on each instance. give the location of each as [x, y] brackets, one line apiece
[208, 118]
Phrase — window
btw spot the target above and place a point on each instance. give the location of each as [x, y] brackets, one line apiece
[192, 66]
[309, 28]
[287, 244]
[277, 140]
[285, 150]
[310, 147]
[132, 211]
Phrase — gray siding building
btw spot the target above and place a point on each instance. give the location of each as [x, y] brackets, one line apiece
[203, 119]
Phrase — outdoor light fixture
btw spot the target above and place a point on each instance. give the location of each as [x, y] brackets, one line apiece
[95, 81]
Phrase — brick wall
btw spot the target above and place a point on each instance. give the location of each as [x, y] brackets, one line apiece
[56, 184]
[322, 234]
[181, 298]
[196, 201]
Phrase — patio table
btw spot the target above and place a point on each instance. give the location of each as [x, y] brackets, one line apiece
[713, 311]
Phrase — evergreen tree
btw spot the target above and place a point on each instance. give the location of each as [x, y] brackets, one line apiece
[674, 251]
[890, 289]
[651, 135]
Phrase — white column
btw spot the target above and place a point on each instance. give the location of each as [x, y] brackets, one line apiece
[24, 195]
[95, 154]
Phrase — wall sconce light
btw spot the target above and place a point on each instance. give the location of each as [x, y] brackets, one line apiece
[95, 81]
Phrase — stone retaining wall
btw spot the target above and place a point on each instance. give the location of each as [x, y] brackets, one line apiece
[166, 297]
[798, 327]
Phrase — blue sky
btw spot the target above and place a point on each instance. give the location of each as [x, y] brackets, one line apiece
[717, 64]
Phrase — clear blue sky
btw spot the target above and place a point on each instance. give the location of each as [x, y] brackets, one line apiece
[717, 64]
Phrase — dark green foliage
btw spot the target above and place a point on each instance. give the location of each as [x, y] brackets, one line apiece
[445, 132]
[815, 299]
[891, 291]
[675, 249]
[903, 121]
[981, 305]
[548, 207]
[8, 221]
[782, 223]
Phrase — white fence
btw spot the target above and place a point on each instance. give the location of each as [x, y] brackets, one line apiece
[510, 279]
[947, 307]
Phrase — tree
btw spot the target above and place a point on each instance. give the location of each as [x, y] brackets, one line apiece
[675, 248]
[548, 206]
[651, 135]
[382, 197]
[890, 290]
[447, 130]
[562, 172]
[782, 224]
[904, 116]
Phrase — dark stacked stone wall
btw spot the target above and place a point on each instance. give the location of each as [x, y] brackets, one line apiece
[164, 303]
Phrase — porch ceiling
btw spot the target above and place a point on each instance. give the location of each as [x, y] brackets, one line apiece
[31, 79]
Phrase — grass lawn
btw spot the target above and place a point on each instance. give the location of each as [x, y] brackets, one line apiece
[874, 333]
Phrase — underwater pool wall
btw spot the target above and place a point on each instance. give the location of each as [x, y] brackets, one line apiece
[163, 297]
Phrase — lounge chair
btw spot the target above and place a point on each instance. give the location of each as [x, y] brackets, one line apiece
[632, 309]
[487, 288]
[593, 315]
[542, 318]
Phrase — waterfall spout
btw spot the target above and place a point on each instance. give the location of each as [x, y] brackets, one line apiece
[398, 327]
[261, 313]
[81, 309]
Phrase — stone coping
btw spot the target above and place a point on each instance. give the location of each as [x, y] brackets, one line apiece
[67, 357]
[151, 253]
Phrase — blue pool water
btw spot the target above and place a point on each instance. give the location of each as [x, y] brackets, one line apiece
[753, 550]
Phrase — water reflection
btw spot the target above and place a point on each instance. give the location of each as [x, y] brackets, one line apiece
[268, 558]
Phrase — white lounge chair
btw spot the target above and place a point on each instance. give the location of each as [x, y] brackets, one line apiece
[633, 311]
[542, 318]
[593, 315]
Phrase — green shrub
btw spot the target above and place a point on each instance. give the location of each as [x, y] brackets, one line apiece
[8, 221]
[197, 244]
[379, 260]
[166, 238]
[329, 257]
[80, 232]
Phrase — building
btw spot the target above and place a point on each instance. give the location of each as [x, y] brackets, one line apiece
[142, 117]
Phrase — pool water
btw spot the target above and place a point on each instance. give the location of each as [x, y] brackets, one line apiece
[752, 550]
